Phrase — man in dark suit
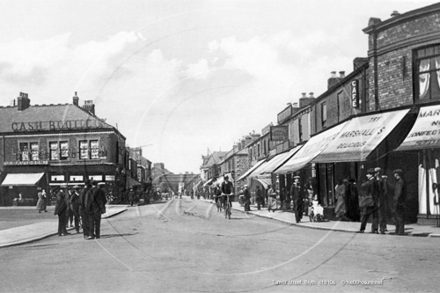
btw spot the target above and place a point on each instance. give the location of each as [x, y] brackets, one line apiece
[82, 209]
[61, 210]
[368, 202]
[96, 207]
[399, 201]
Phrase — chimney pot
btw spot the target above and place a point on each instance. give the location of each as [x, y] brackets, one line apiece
[295, 105]
[76, 99]
[395, 13]
[311, 95]
[341, 74]
[303, 95]
[333, 74]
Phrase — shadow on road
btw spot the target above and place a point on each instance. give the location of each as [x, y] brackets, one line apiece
[117, 235]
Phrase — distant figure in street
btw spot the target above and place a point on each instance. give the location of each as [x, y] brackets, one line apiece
[82, 209]
[227, 188]
[74, 206]
[131, 197]
[340, 192]
[40, 203]
[259, 197]
[45, 199]
[247, 199]
[399, 202]
[61, 211]
[297, 198]
[367, 202]
[382, 201]
[271, 199]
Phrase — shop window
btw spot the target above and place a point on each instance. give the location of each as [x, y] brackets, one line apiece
[54, 152]
[323, 114]
[427, 74]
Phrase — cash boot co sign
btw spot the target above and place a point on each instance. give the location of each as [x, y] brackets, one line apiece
[56, 125]
[279, 133]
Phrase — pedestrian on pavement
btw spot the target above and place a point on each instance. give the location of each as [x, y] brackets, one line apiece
[40, 202]
[247, 199]
[353, 201]
[283, 199]
[367, 202]
[310, 194]
[297, 198]
[340, 192]
[259, 197]
[399, 202]
[382, 201]
[82, 208]
[131, 197]
[45, 199]
[271, 199]
[74, 206]
[61, 210]
[69, 208]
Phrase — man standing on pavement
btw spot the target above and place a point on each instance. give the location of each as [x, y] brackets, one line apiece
[367, 202]
[74, 206]
[297, 198]
[61, 211]
[259, 197]
[82, 209]
[399, 201]
[247, 199]
[95, 206]
[382, 201]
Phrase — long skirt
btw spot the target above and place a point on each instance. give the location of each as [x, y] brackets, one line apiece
[40, 205]
[271, 203]
[340, 209]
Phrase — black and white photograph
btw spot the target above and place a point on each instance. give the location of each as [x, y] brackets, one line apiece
[219, 146]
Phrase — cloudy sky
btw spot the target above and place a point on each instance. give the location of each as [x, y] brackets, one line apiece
[182, 77]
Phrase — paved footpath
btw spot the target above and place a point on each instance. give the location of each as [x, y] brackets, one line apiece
[40, 230]
[342, 226]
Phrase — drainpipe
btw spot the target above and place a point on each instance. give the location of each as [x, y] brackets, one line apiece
[376, 78]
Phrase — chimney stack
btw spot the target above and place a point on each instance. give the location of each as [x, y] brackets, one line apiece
[23, 102]
[333, 80]
[89, 106]
[76, 99]
[304, 100]
[395, 13]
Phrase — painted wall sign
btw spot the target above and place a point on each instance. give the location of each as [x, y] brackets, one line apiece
[26, 163]
[56, 125]
[279, 133]
[355, 94]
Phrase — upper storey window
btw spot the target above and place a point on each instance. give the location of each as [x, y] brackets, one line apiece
[428, 74]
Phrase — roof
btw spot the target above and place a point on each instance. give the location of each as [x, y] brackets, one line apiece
[48, 117]
[214, 158]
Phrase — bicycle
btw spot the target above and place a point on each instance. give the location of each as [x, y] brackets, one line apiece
[228, 206]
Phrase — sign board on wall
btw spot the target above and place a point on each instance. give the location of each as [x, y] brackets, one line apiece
[279, 133]
[26, 163]
[355, 93]
[56, 125]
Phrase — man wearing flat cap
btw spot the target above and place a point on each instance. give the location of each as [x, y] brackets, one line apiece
[399, 201]
[368, 201]
[382, 201]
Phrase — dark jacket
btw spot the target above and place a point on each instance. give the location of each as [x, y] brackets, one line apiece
[399, 193]
[62, 204]
[368, 193]
[227, 187]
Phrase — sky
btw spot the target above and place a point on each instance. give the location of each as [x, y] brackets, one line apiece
[181, 78]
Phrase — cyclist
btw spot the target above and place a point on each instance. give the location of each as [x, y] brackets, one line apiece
[227, 188]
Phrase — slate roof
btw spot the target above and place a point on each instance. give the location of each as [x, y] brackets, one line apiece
[45, 113]
[214, 158]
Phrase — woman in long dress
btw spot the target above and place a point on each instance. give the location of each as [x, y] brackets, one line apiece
[271, 199]
[340, 190]
[40, 202]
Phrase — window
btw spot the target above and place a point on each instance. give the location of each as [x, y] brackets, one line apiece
[35, 154]
[94, 149]
[54, 153]
[64, 148]
[427, 67]
[24, 151]
[323, 114]
[300, 132]
[83, 150]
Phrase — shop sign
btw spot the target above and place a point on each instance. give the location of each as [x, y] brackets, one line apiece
[26, 163]
[56, 125]
[95, 177]
[355, 93]
[56, 178]
[279, 133]
[76, 178]
[284, 115]
[109, 177]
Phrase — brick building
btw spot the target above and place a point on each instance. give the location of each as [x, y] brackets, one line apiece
[48, 145]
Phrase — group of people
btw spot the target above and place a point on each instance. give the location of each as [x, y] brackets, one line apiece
[226, 188]
[83, 205]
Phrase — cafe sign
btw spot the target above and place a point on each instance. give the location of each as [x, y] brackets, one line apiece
[57, 125]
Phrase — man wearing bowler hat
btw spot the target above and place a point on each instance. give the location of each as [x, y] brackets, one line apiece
[382, 201]
[399, 201]
[368, 202]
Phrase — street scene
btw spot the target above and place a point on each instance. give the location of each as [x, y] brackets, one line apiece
[220, 146]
